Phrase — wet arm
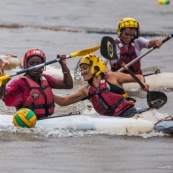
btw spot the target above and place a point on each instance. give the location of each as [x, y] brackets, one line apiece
[126, 78]
[67, 82]
[70, 99]
[142, 79]
[155, 42]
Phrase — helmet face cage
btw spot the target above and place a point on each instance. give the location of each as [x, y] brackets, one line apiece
[128, 23]
[33, 52]
[77, 72]
[94, 62]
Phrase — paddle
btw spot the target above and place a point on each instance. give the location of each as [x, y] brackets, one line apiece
[150, 50]
[155, 99]
[79, 53]
[149, 74]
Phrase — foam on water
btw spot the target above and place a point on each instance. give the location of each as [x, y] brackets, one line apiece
[40, 132]
[66, 133]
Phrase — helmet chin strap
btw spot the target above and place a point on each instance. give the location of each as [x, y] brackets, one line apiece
[102, 76]
[90, 81]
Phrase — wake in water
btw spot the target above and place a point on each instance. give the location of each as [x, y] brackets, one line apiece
[39, 133]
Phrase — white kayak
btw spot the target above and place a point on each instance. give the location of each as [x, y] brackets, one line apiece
[9, 62]
[161, 80]
[92, 121]
[157, 81]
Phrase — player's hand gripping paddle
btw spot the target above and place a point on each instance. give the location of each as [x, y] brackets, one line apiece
[74, 54]
[155, 99]
[146, 53]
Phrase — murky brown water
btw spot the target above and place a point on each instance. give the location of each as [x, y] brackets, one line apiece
[63, 27]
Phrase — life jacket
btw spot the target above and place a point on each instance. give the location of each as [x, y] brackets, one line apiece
[106, 102]
[127, 56]
[40, 99]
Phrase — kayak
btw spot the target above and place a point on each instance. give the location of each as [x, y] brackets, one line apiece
[161, 80]
[156, 81]
[9, 62]
[90, 120]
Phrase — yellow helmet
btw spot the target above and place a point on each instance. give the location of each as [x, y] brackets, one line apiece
[95, 62]
[128, 23]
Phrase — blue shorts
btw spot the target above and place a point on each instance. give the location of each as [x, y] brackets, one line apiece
[132, 112]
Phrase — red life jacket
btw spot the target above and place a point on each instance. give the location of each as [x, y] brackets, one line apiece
[127, 56]
[40, 99]
[106, 102]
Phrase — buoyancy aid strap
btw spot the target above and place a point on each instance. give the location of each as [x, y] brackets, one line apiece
[112, 109]
[47, 105]
[94, 93]
[132, 100]
[127, 54]
[126, 96]
[102, 102]
[40, 87]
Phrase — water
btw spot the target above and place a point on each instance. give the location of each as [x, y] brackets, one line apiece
[70, 26]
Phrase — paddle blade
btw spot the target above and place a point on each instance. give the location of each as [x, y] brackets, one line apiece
[84, 52]
[156, 99]
[108, 48]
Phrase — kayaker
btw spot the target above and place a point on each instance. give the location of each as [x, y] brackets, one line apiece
[104, 89]
[34, 89]
[129, 45]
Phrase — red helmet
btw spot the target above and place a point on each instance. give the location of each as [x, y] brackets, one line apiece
[33, 52]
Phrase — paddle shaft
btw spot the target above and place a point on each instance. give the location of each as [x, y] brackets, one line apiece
[59, 116]
[155, 99]
[132, 74]
[150, 74]
[74, 54]
[152, 103]
[37, 66]
[141, 56]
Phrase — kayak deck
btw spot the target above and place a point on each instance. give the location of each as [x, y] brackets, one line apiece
[156, 81]
[90, 120]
